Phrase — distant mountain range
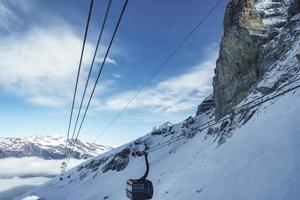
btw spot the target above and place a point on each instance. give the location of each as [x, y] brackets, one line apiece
[243, 142]
[47, 147]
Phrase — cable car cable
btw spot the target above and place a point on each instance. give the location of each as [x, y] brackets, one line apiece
[91, 66]
[142, 188]
[79, 67]
[76, 83]
[183, 135]
[207, 125]
[160, 67]
[101, 69]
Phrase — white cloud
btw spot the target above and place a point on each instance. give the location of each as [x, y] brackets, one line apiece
[7, 17]
[31, 167]
[13, 188]
[20, 175]
[41, 65]
[108, 60]
[117, 75]
[178, 93]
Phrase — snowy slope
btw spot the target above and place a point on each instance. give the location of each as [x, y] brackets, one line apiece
[252, 154]
[273, 12]
[260, 162]
[47, 147]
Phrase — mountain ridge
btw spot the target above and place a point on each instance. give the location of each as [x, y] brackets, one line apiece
[48, 147]
[250, 150]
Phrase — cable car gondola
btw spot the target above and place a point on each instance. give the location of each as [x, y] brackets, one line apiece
[140, 189]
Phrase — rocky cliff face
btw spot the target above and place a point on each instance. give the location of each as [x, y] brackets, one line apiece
[259, 65]
[295, 8]
[248, 26]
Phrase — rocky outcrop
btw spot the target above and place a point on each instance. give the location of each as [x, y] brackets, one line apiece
[248, 26]
[237, 66]
[207, 105]
[295, 8]
[163, 129]
[119, 161]
[273, 12]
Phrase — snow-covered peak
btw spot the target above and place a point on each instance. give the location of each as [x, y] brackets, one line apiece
[47, 147]
[251, 154]
[158, 130]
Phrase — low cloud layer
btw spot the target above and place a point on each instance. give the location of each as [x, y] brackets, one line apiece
[31, 167]
[19, 175]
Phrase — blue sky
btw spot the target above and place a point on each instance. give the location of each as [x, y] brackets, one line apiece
[40, 45]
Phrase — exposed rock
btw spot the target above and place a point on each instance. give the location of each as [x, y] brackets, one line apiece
[248, 116]
[119, 161]
[206, 105]
[243, 13]
[248, 26]
[162, 129]
[266, 90]
[188, 122]
[209, 131]
[94, 164]
[295, 8]
[273, 12]
[237, 66]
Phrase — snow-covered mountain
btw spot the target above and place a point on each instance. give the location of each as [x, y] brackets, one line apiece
[47, 147]
[243, 142]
